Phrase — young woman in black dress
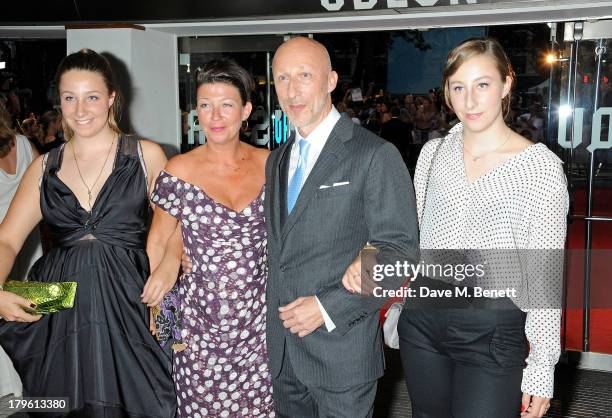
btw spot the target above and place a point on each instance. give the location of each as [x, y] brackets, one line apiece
[92, 193]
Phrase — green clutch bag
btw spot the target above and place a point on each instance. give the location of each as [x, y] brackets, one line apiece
[49, 297]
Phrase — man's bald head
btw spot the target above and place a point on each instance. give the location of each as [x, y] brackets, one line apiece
[305, 45]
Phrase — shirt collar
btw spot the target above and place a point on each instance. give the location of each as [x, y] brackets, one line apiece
[318, 137]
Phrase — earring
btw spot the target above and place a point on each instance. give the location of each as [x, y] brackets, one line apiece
[245, 125]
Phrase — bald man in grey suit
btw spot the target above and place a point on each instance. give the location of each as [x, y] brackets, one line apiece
[330, 189]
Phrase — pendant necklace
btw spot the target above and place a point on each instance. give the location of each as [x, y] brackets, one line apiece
[76, 161]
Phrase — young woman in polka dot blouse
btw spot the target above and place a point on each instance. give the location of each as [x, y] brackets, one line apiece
[215, 195]
[485, 187]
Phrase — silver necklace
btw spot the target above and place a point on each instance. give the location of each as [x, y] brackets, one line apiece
[476, 158]
[76, 161]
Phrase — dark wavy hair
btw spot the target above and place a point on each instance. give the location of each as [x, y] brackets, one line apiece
[474, 47]
[89, 60]
[228, 72]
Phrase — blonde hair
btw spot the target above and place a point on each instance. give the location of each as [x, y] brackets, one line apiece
[89, 60]
[472, 48]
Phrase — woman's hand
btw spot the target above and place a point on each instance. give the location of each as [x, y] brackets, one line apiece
[351, 280]
[152, 324]
[534, 406]
[158, 284]
[186, 264]
[12, 308]
[358, 276]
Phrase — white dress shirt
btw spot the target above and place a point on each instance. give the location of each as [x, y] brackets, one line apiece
[316, 139]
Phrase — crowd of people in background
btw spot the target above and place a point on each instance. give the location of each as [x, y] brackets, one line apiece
[410, 120]
[44, 131]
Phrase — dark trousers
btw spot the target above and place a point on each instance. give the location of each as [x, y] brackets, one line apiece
[292, 399]
[465, 362]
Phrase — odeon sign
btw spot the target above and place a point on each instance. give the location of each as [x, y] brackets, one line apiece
[337, 5]
[596, 128]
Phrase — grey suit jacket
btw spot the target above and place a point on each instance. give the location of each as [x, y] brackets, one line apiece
[309, 250]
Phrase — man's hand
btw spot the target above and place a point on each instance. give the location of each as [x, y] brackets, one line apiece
[534, 406]
[302, 316]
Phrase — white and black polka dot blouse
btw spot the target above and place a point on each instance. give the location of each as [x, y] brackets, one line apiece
[521, 205]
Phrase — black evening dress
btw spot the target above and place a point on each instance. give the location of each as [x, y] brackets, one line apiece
[99, 354]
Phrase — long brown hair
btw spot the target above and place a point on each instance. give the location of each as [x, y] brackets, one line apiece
[89, 60]
[474, 47]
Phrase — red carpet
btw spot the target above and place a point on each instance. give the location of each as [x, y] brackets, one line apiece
[601, 280]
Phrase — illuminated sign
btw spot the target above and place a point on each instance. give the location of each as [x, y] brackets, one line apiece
[194, 129]
[282, 127]
[259, 132]
[259, 136]
[596, 128]
[136, 11]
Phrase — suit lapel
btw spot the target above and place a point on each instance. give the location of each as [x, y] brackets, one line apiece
[276, 205]
[333, 152]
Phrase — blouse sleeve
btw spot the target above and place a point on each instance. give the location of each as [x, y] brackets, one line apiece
[167, 194]
[547, 234]
[421, 173]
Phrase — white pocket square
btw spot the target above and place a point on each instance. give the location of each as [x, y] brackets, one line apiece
[340, 183]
